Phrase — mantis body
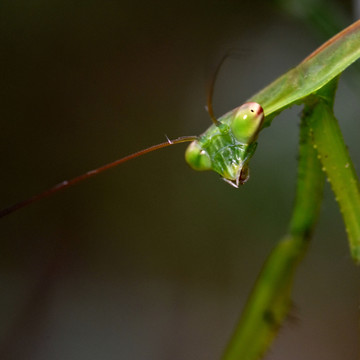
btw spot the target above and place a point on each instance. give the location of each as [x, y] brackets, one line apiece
[228, 145]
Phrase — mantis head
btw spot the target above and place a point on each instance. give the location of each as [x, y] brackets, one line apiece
[226, 147]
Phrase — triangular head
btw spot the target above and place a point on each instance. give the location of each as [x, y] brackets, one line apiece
[226, 147]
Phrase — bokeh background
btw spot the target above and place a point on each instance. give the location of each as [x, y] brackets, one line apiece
[153, 260]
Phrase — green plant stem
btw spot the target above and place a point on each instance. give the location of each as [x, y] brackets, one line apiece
[336, 161]
[270, 300]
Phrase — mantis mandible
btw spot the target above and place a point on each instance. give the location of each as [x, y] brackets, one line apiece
[228, 145]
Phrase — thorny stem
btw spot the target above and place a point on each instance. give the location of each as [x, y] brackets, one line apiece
[336, 161]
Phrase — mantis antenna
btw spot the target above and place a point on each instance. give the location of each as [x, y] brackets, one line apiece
[211, 87]
[209, 106]
[67, 183]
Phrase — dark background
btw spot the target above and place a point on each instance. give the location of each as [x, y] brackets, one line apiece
[153, 260]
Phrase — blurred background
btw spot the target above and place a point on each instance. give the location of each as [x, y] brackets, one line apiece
[153, 260]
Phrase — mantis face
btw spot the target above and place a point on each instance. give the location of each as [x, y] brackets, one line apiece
[227, 147]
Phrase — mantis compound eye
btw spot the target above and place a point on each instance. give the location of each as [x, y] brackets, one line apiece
[247, 122]
[197, 157]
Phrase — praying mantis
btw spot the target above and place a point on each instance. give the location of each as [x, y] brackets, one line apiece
[283, 93]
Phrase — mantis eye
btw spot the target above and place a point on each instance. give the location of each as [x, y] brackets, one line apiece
[247, 122]
[197, 157]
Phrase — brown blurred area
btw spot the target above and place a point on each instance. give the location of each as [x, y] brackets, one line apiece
[153, 260]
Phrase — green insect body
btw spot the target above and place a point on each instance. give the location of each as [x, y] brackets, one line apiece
[227, 147]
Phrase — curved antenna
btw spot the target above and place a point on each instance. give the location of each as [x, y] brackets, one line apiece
[209, 98]
[209, 106]
[67, 183]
